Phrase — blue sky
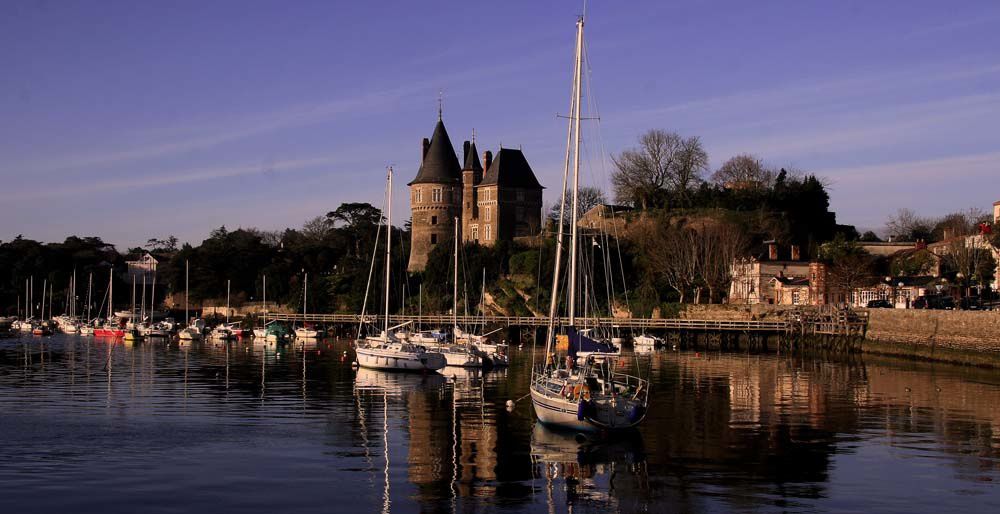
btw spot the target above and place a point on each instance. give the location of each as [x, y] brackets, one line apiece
[132, 120]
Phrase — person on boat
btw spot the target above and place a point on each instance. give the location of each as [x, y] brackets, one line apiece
[550, 361]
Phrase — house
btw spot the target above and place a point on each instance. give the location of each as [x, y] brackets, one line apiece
[610, 219]
[752, 276]
[790, 290]
[142, 267]
[498, 198]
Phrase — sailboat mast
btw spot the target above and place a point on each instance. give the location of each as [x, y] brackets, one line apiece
[554, 300]
[265, 301]
[152, 301]
[90, 285]
[576, 174]
[187, 276]
[45, 285]
[111, 293]
[228, 282]
[388, 251]
[454, 294]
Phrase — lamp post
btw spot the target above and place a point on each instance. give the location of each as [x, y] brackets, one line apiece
[900, 286]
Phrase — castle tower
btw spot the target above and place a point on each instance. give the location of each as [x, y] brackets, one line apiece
[435, 197]
[472, 175]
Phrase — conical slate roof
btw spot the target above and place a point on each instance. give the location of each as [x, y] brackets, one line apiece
[440, 164]
[471, 158]
[510, 169]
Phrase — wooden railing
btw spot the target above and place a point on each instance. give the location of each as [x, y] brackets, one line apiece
[534, 321]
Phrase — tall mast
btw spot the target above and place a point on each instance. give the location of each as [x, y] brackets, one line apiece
[133, 299]
[31, 297]
[152, 301]
[73, 295]
[554, 300]
[454, 294]
[576, 173]
[90, 285]
[305, 296]
[45, 285]
[111, 293]
[388, 251]
[27, 302]
[142, 312]
[227, 301]
[265, 301]
[187, 273]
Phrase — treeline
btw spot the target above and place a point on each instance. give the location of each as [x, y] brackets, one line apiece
[335, 250]
[668, 172]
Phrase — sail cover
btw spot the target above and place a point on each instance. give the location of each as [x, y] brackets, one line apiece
[581, 343]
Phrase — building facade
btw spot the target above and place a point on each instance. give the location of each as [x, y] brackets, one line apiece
[493, 199]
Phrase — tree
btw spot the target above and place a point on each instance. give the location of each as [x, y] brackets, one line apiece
[589, 198]
[354, 214]
[869, 237]
[906, 225]
[850, 266]
[719, 245]
[664, 162]
[744, 171]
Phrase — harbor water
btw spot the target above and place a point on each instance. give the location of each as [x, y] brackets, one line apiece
[98, 425]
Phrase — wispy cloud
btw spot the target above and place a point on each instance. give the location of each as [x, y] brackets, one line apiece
[966, 167]
[174, 177]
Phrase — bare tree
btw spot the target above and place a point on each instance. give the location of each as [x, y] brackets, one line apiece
[744, 171]
[663, 161]
[906, 225]
[967, 252]
[589, 197]
[719, 245]
[669, 251]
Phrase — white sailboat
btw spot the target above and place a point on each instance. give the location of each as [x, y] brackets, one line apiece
[457, 353]
[225, 331]
[594, 396]
[192, 330]
[305, 332]
[386, 351]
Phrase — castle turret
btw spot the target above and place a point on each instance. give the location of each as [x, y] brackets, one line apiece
[472, 175]
[435, 197]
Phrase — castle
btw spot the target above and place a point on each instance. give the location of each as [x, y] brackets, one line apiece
[495, 199]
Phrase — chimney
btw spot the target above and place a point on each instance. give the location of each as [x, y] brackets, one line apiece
[487, 159]
[795, 253]
[772, 251]
[465, 152]
[426, 146]
[947, 233]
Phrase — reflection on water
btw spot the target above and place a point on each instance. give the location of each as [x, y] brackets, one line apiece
[99, 425]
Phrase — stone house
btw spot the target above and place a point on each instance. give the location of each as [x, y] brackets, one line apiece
[752, 276]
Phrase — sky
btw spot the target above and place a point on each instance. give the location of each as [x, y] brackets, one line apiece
[132, 120]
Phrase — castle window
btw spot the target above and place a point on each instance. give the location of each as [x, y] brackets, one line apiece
[520, 196]
[434, 220]
[489, 233]
[417, 197]
[436, 194]
[475, 232]
[519, 213]
[434, 239]
[489, 213]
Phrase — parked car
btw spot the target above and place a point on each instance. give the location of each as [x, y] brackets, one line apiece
[934, 301]
[880, 304]
[970, 303]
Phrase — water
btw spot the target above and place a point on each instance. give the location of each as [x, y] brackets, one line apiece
[87, 425]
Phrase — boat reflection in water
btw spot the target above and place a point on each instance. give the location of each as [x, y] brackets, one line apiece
[589, 467]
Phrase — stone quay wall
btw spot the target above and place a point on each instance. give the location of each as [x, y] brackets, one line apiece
[968, 337]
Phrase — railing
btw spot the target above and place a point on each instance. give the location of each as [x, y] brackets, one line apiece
[536, 321]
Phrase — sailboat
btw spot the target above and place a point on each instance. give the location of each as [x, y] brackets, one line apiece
[111, 327]
[225, 331]
[193, 329]
[87, 329]
[386, 351]
[458, 353]
[593, 396]
[305, 332]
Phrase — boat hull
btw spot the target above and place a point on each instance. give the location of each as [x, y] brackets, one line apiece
[399, 361]
[559, 413]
